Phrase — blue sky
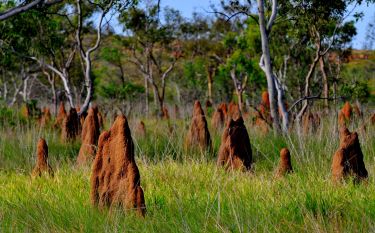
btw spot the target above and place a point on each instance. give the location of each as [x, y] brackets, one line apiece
[188, 6]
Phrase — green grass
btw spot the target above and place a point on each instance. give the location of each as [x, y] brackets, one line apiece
[184, 190]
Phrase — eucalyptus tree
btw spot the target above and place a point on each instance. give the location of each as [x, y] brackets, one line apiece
[154, 46]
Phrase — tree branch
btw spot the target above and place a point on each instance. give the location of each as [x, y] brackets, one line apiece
[25, 7]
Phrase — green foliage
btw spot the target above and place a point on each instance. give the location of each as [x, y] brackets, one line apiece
[128, 91]
[355, 90]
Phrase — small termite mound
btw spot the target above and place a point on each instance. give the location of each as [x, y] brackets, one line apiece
[45, 118]
[90, 135]
[42, 166]
[198, 134]
[115, 178]
[71, 126]
[140, 130]
[235, 149]
[345, 114]
[348, 159]
[165, 115]
[219, 117]
[285, 164]
[61, 115]
[233, 111]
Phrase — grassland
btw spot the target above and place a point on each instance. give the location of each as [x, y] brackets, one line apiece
[184, 190]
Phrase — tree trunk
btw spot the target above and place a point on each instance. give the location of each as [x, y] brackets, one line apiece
[146, 97]
[210, 75]
[325, 85]
[89, 85]
[307, 89]
[267, 67]
[159, 101]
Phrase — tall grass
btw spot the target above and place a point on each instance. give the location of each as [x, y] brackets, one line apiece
[184, 190]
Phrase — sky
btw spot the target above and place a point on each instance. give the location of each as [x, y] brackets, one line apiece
[187, 7]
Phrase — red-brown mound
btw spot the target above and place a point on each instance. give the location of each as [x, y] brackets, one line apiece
[198, 134]
[219, 116]
[285, 165]
[233, 111]
[71, 126]
[263, 116]
[90, 136]
[42, 166]
[235, 149]
[60, 115]
[348, 159]
[165, 113]
[347, 111]
[115, 178]
[101, 120]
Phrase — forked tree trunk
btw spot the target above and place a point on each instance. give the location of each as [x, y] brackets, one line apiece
[265, 62]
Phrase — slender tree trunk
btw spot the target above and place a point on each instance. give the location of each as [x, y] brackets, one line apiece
[159, 101]
[89, 85]
[267, 67]
[146, 97]
[307, 89]
[210, 75]
[325, 85]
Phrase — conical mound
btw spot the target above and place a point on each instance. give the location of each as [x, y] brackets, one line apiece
[285, 164]
[235, 149]
[198, 134]
[219, 116]
[140, 130]
[60, 115]
[115, 178]
[90, 136]
[71, 126]
[348, 159]
[42, 166]
[233, 111]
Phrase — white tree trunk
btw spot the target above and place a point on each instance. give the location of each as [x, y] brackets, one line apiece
[265, 62]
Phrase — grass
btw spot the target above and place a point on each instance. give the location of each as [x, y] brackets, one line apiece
[184, 190]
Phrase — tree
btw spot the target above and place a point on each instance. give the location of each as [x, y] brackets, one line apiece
[154, 47]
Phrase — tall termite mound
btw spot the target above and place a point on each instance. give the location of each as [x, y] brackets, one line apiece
[71, 126]
[235, 149]
[219, 116]
[198, 134]
[285, 164]
[115, 178]
[90, 135]
[345, 114]
[100, 119]
[348, 159]
[233, 111]
[61, 114]
[263, 117]
[42, 166]
[82, 116]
